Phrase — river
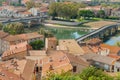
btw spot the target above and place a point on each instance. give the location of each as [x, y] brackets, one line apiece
[63, 33]
[113, 40]
[67, 33]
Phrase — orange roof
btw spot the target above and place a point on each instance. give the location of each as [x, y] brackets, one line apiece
[27, 12]
[57, 60]
[114, 56]
[7, 75]
[24, 68]
[86, 49]
[94, 41]
[113, 49]
[11, 38]
[32, 35]
[71, 46]
[25, 1]
[15, 51]
[3, 34]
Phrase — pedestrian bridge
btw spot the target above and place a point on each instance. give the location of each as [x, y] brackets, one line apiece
[101, 33]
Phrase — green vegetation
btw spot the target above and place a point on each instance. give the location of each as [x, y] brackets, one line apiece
[117, 44]
[110, 5]
[1, 26]
[37, 45]
[11, 3]
[70, 11]
[101, 14]
[90, 73]
[86, 13]
[64, 10]
[14, 28]
[2, 1]
[31, 4]
[46, 33]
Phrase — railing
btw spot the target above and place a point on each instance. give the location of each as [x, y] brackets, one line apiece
[20, 19]
[94, 32]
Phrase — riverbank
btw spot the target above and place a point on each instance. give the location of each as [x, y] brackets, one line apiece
[75, 27]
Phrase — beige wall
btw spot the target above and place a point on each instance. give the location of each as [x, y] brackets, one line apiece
[19, 45]
[50, 44]
[80, 67]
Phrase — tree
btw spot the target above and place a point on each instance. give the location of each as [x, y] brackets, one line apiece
[101, 14]
[37, 45]
[92, 73]
[46, 33]
[14, 28]
[52, 10]
[62, 76]
[66, 10]
[85, 13]
[1, 26]
[30, 4]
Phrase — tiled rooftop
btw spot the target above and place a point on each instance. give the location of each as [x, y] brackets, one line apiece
[72, 46]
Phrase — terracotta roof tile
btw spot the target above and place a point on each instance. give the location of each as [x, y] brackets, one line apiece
[58, 60]
[11, 38]
[3, 34]
[15, 51]
[71, 46]
[28, 70]
[77, 59]
[113, 49]
[30, 36]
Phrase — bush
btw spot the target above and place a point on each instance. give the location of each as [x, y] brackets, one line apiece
[37, 45]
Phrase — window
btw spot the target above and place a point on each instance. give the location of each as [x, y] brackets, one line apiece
[51, 46]
[118, 69]
[37, 69]
[74, 68]
[106, 67]
[40, 68]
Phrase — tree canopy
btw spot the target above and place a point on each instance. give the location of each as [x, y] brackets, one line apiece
[66, 10]
[37, 45]
[101, 14]
[30, 4]
[86, 13]
[14, 28]
[46, 33]
[90, 73]
[1, 26]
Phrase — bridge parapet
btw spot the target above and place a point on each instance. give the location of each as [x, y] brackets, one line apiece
[98, 32]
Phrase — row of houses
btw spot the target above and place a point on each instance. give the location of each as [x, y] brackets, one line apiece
[25, 64]
[10, 42]
[108, 11]
[19, 12]
[57, 56]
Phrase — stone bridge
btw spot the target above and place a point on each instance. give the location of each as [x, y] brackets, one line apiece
[101, 33]
[27, 19]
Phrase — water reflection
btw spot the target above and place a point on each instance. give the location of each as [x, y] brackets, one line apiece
[113, 40]
[64, 33]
